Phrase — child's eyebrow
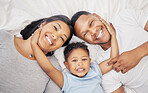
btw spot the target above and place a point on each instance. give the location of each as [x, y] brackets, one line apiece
[74, 57]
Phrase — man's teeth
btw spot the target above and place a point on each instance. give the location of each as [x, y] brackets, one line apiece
[49, 40]
[100, 34]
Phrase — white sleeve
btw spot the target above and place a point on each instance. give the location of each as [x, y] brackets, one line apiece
[110, 81]
[128, 90]
[141, 17]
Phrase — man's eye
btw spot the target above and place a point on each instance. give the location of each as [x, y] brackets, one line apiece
[55, 28]
[91, 23]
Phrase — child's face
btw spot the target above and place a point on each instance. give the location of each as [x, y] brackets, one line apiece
[78, 62]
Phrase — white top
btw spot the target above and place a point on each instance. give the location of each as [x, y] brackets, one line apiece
[129, 25]
[90, 83]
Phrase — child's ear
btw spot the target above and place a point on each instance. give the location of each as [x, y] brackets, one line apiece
[90, 59]
[66, 64]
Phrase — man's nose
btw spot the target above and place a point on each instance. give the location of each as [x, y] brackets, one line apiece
[93, 31]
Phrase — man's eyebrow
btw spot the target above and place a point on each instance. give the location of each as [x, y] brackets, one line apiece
[59, 25]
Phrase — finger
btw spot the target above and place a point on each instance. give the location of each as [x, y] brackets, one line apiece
[120, 68]
[125, 70]
[113, 61]
[116, 66]
[96, 15]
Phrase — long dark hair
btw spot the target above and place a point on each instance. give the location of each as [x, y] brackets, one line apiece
[33, 26]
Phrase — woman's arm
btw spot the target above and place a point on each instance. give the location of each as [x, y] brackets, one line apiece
[45, 64]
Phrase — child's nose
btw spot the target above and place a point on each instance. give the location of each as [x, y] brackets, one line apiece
[80, 64]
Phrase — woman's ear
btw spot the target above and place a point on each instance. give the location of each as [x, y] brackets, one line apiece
[66, 64]
[42, 24]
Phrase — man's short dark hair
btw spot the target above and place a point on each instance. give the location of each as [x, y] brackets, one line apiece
[72, 46]
[76, 16]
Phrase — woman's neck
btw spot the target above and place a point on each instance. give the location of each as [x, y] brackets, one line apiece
[24, 47]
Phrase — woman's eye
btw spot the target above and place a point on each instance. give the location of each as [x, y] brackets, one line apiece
[85, 34]
[62, 39]
[55, 28]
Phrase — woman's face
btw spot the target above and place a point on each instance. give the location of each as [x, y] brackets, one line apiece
[53, 35]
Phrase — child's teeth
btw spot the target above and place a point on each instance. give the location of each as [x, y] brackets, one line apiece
[80, 69]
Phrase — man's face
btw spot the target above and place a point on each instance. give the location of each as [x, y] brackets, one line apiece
[91, 29]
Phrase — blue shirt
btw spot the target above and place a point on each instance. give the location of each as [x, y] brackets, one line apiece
[91, 83]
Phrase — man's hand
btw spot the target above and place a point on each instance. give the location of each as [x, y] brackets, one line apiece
[125, 61]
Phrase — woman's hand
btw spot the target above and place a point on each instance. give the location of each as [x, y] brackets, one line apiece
[35, 37]
[110, 27]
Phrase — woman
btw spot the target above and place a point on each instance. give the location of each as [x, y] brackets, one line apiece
[19, 71]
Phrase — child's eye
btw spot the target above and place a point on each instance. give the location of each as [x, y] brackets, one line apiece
[74, 60]
[84, 59]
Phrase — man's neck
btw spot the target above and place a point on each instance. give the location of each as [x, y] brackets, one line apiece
[106, 45]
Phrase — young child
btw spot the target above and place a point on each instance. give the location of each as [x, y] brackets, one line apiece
[81, 75]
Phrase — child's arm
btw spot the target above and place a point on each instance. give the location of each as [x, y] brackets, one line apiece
[114, 49]
[45, 64]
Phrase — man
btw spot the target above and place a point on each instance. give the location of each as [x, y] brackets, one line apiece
[131, 28]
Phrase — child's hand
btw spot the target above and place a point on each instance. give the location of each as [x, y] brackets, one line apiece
[35, 36]
[110, 27]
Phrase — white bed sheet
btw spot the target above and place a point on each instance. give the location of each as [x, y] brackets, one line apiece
[16, 14]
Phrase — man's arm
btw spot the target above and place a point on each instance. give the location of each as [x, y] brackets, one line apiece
[45, 64]
[128, 60]
[146, 26]
[119, 90]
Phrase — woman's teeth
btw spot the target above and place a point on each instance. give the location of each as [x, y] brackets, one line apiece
[49, 40]
[100, 34]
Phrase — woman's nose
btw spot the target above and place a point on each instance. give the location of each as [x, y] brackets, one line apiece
[54, 36]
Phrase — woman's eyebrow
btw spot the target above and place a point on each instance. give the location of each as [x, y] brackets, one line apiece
[59, 25]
